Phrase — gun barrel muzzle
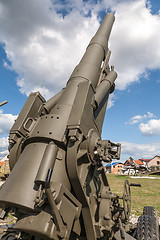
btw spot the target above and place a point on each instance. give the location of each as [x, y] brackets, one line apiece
[90, 64]
[102, 35]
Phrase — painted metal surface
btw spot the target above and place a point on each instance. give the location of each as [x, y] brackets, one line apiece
[58, 187]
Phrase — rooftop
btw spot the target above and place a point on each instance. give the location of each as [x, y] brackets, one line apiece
[1, 163]
[113, 164]
[145, 160]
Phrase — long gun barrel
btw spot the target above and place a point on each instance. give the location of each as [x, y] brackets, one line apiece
[90, 64]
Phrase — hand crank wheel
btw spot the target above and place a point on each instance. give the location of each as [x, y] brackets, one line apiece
[126, 200]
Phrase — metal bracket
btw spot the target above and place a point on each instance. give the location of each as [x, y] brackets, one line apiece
[61, 229]
[101, 150]
[108, 150]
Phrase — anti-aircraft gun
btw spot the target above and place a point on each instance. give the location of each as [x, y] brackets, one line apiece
[58, 187]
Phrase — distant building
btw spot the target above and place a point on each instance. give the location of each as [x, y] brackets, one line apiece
[4, 167]
[115, 167]
[134, 163]
[3, 160]
[1, 163]
[155, 162]
[132, 166]
[145, 161]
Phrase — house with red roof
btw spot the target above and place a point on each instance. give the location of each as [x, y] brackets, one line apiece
[132, 166]
[145, 161]
[1, 163]
[155, 162]
[133, 162]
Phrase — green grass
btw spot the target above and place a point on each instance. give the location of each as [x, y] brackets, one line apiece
[146, 195]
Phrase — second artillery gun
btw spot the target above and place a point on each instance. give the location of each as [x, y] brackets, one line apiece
[58, 187]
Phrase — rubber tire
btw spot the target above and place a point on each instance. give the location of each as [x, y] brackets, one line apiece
[147, 228]
[11, 234]
[151, 211]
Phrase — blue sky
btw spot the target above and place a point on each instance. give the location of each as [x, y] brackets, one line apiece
[42, 41]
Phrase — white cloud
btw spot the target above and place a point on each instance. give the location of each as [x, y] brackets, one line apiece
[134, 41]
[3, 146]
[140, 118]
[152, 127]
[111, 100]
[43, 47]
[139, 150]
[6, 122]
